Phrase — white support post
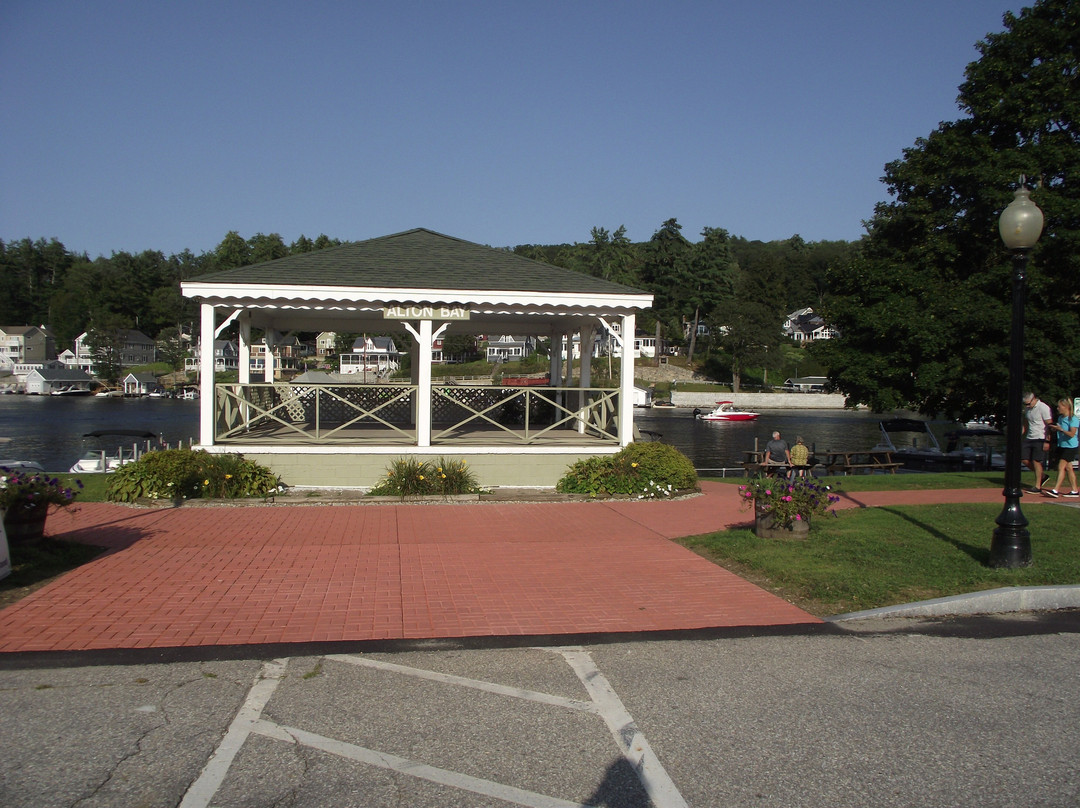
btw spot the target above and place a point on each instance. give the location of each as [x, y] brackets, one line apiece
[626, 381]
[268, 363]
[555, 359]
[245, 348]
[207, 399]
[588, 335]
[423, 381]
[568, 372]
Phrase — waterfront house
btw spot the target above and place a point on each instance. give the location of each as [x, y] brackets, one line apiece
[25, 344]
[49, 380]
[135, 348]
[426, 285]
[141, 384]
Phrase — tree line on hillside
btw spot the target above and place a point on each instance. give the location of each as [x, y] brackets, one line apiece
[739, 290]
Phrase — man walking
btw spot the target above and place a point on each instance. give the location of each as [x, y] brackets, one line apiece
[1037, 419]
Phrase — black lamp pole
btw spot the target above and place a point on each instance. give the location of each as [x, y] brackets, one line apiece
[1020, 226]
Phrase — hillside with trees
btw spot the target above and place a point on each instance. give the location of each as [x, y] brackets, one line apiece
[739, 291]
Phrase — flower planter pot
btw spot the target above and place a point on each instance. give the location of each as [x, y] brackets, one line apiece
[25, 525]
[766, 526]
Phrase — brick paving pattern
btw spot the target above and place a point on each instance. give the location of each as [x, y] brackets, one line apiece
[309, 573]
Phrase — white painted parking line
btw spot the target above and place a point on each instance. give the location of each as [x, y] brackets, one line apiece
[476, 684]
[604, 703]
[213, 774]
[659, 786]
[411, 768]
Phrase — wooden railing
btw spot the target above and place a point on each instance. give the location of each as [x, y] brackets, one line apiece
[332, 413]
[317, 412]
[525, 413]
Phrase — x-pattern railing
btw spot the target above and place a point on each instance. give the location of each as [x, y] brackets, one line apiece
[243, 408]
[596, 415]
[322, 413]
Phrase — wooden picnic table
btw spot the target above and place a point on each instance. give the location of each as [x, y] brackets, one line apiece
[754, 463]
[845, 462]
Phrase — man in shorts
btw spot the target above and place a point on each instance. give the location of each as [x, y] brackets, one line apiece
[1037, 417]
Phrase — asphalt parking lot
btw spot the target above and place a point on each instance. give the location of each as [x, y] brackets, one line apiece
[921, 712]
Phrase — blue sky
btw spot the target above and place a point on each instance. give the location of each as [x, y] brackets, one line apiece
[163, 125]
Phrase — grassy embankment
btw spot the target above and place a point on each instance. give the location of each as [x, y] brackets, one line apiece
[866, 558]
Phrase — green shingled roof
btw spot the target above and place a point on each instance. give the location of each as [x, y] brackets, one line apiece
[417, 259]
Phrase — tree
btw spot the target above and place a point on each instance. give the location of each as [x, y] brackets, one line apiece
[171, 348]
[748, 323]
[106, 338]
[710, 280]
[923, 311]
[665, 270]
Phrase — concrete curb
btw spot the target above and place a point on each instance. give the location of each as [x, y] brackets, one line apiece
[991, 601]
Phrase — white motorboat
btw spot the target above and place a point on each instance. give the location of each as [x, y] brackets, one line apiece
[726, 411]
[19, 465]
[104, 452]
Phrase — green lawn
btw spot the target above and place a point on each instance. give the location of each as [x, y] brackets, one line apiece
[866, 558]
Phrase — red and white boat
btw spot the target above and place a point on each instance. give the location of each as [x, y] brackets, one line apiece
[725, 411]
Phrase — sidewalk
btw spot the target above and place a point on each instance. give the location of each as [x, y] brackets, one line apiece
[237, 575]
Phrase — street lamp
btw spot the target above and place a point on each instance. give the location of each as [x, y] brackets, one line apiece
[1020, 226]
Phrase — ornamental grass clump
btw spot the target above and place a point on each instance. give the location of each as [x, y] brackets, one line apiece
[23, 492]
[411, 477]
[789, 501]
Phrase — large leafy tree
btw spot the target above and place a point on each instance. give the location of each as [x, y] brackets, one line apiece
[711, 279]
[748, 324]
[924, 310]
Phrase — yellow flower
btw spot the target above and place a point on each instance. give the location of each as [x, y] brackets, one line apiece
[206, 482]
[228, 476]
[444, 476]
[633, 465]
[440, 470]
[421, 476]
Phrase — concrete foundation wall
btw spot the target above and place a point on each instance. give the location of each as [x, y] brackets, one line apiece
[364, 470]
[764, 401]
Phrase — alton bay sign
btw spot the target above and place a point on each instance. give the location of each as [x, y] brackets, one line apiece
[329, 432]
[446, 313]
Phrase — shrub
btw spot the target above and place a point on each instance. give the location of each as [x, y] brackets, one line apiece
[190, 474]
[412, 477]
[645, 470]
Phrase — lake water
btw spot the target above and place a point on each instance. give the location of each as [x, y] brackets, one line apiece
[721, 444]
[49, 429]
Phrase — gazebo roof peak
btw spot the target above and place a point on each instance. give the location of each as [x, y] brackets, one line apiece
[417, 259]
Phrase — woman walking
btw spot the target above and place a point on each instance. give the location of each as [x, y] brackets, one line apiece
[1066, 427]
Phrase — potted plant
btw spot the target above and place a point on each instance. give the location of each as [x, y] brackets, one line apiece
[784, 508]
[25, 499]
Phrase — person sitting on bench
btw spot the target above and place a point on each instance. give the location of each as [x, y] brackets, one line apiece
[777, 452]
[800, 458]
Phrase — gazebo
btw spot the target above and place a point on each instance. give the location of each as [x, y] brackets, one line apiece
[326, 432]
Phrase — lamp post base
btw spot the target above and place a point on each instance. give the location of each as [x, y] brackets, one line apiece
[1011, 545]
